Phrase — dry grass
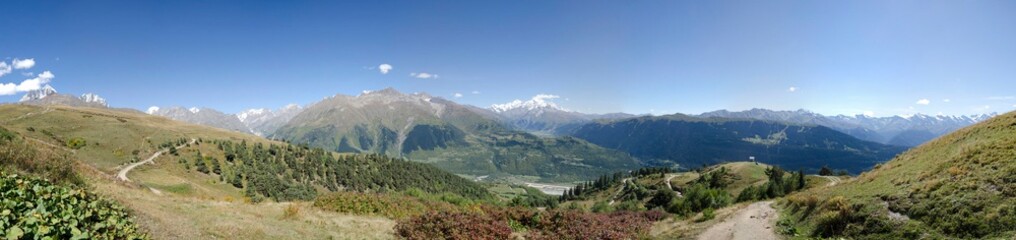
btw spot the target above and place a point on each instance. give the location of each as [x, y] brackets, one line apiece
[291, 212]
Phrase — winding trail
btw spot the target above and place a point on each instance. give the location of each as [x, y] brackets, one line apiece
[122, 175]
[756, 221]
[624, 183]
[671, 187]
[833, 180]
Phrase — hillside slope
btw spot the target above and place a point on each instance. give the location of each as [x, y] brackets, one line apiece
[959, 185]
[693, 141]
[205, 189]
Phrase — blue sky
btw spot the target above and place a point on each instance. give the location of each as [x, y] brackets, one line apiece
[843, 57]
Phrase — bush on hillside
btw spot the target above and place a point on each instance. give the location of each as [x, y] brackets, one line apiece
[454, 225]
[32, 208]
[76, 143]
[492, 223]
[698, 197]
[394, 206]
[18, 156]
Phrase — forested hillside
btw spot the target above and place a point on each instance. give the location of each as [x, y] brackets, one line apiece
[285, 172]
[693, 142]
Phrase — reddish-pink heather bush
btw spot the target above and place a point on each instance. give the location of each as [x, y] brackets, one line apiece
[493, 223]
[447, 225]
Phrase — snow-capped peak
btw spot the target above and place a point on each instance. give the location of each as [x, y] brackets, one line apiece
[93, 98]
[194, 109]
[152, 110]
[38, 93]
[251, 113]
[537, 102]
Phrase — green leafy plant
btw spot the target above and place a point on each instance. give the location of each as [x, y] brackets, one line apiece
[33, 208]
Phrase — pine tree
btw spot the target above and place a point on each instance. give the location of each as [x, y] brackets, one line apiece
[199, 163]
[216, 168]
[800, 179]
[825, 171]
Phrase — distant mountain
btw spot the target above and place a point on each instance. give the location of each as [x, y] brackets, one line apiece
[259, 121]
[458, 138]
[263, 121]
[692, 141]
[896, 130]
[540, 115]
[47, 95]
[203, 116]
[38, 94]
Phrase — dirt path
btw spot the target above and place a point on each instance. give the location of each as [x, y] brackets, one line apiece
[671, 187]
[122, 175]
[833, 180]
[624, 183]
[756, 221]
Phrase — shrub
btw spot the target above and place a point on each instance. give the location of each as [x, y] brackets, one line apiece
[17, 155]
[36, 209]
[388, 205]
[602, 207]
[76, 143]
[552, 224]
[453, 225]
[698, 197]
[707, 214]
[825, 171]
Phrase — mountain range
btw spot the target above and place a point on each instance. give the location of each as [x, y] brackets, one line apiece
[906, 131]
[543, 117]
[260, 121]
[48, 95]
[537, 137]
[458, 138]
[692, 141]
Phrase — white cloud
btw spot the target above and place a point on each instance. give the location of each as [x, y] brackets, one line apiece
[924, 101]
[476, 92]
[24, 63]
[423, 75]
[792, 89]
[384, 68]
[35, 83]
[8, 89]
[152, 109]
[946, 100]
[542, 98]
[458, 95]
[4, 68]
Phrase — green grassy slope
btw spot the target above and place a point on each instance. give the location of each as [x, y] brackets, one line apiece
[959, 185]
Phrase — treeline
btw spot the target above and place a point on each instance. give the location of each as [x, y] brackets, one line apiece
[604, 182]
[290, 172]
